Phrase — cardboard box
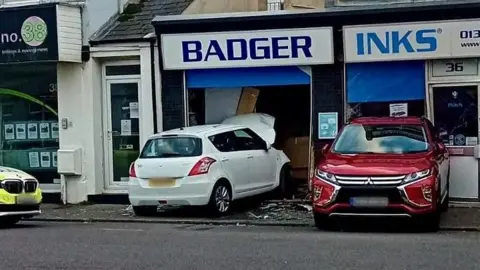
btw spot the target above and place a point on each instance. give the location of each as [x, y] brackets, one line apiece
[248, 100]
[296, 148]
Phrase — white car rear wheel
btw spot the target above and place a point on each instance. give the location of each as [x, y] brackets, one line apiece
[221, 199]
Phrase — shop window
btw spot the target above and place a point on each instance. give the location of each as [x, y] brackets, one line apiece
[122, 70]
[28, 115]
[379, 109]
[386, 89]
[455, 111]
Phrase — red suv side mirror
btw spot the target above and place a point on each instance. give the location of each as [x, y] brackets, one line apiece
[325, 148]
[441, 148]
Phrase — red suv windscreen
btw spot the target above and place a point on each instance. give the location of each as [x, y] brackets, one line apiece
[381, 139]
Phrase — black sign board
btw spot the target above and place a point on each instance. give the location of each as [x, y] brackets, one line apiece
[28, 34]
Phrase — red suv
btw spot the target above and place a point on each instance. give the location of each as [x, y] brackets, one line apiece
[383, 166]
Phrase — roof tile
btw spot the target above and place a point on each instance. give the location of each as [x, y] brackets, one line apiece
[141, 23]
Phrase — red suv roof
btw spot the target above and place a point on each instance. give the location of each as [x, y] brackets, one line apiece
[388, 120]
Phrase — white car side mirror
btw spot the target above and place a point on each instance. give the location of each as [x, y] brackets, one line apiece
[268, 146]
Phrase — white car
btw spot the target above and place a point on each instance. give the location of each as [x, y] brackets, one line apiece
[208, 165]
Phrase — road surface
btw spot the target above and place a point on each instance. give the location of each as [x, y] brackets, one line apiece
[36, 245]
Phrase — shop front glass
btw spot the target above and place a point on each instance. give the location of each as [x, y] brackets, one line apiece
[386, 89]
[29, 119]
[455, 116]
[455, 113]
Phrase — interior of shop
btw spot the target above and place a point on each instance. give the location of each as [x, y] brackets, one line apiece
[290, 105]
[29, 120]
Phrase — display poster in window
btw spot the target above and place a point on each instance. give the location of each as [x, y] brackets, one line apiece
[456, 114]
[33, 160]
[472, 141]
[9, 131]
[45, 160]
[327, 125]
[44, 131]
[399, 109]
[32, 131]
[134, 113]
[54, 128]
[126, 128]
[20, 131]
[54, 159]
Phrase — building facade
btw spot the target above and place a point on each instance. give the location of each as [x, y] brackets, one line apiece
[40, 53]
[414, 60]
[431, 70]
[46, 95]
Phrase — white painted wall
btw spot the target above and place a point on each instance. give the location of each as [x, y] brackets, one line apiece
[80, 99]
[70, 103]
[69, 28]
[220, 104]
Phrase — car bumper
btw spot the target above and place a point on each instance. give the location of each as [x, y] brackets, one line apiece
[392, 210]
[334, 200]
[24, 205]
[188, 191]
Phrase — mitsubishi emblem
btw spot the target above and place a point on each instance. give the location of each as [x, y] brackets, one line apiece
[369, 181]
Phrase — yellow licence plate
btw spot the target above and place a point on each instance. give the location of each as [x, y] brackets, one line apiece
[161, 182]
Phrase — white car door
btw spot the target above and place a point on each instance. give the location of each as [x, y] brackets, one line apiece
[234, 162]
[262, 163]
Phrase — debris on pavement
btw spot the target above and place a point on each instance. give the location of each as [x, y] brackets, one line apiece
[281, 211]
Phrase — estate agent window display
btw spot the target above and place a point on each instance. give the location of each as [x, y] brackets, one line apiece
[29, 119]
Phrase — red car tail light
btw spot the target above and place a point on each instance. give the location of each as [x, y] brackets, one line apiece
[132, 172]
[202, 166]
[420, 193]
[323, 192]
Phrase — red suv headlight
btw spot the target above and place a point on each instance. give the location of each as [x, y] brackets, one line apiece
[419, 188]
[324, 190]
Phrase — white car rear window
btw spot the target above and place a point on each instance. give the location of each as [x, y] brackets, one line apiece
[171, 147]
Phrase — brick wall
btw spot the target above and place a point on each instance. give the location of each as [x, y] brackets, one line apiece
[173, 99]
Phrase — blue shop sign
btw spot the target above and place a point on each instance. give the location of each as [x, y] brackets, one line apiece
[28, 34]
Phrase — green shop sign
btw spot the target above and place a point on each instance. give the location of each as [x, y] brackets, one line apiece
[28, 34]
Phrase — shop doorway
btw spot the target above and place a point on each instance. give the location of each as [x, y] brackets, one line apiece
[282, 92]
[453, 108]
[122, 130]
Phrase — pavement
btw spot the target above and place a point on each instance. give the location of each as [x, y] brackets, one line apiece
[464, 217]
[130, 246]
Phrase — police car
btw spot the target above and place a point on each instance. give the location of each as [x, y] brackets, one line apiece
[20, 196]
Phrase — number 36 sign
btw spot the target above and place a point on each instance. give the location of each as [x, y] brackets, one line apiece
[454, 67]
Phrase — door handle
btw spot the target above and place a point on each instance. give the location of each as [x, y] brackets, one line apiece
[224, 159]
[250, 156]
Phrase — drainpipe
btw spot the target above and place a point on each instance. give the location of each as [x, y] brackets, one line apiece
[152, 39]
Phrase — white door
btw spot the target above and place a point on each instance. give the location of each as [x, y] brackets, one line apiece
[121, 130]
[454, 113]
[261, 164]
[234, 162]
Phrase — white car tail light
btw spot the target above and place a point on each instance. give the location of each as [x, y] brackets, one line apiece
[132, 172]
[202, 166]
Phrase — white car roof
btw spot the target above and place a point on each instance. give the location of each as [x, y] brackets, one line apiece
[197, 130]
